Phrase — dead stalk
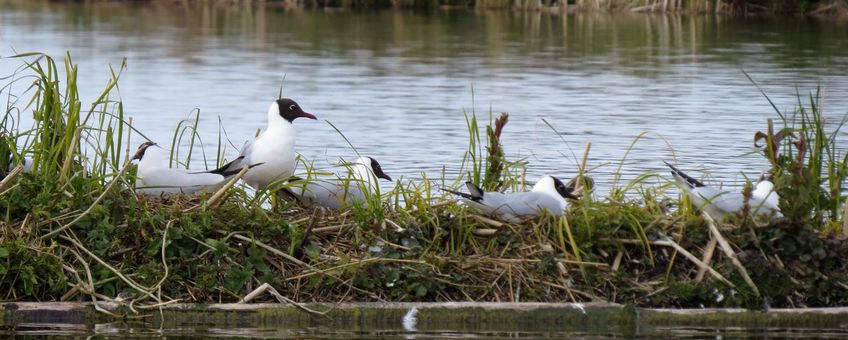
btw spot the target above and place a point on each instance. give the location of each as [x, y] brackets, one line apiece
[728, 251]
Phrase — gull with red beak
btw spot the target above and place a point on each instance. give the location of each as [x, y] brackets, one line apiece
[273, 148]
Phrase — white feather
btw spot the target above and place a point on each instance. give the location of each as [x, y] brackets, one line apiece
[342, 191]
[719, 203]
[520, 206]
[154, 177]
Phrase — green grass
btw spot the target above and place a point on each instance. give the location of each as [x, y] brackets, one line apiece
[85, 235]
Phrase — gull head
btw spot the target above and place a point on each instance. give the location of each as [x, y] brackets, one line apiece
[287, 109]
[764, 189]
[374, 166]
[765, 183]
[139, 153]
[551, 184]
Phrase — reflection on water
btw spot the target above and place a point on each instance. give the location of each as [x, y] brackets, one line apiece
[139, 330]
[397, 82]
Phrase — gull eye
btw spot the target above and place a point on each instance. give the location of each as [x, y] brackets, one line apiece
[292, 107]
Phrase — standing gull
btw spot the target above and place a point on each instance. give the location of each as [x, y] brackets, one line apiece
[549, 194]
[273, 148]
[362, 181]
[719, 203]
[156, 178]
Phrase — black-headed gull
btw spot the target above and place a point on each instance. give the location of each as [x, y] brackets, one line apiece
[363, 179]
[154, 177]
[549, 194]
[719, 203]
[273, 148]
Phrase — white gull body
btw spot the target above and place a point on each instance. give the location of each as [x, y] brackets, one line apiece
[273, 148]
[549, 194]
[720, 203]
[362, 181]
[154, 177]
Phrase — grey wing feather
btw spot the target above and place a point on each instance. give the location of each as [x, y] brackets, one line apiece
[516, 206]
[241, 160]
[175, 180]
[725, 201]
[721, 203]
[329, 194]
[531, 204]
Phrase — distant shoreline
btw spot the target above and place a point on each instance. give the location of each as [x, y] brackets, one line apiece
[819, 8]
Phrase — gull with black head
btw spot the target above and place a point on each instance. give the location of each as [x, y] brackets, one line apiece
[548, 194]
[273, 148]
[361, 182]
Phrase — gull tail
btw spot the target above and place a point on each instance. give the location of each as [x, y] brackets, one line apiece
[235, 171]
[683, 178]
[229, 167]
[476, 193]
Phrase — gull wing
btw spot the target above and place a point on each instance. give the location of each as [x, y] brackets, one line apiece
[329, 194]
[239, 162]
[516, 207]
[168, 180]
[718, 204]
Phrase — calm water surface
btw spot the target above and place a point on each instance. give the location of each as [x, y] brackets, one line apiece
[317, 331]
[397, 82]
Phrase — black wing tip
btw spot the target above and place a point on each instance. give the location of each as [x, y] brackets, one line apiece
[691, 181]
[225, 169]
[463, 195]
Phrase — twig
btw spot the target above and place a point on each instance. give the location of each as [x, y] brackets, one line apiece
[510, 261]
[668, 242]
[617, 262]
[216, 199]
[271, 249]
[94, 204]
[329, 229]
[358, 262]
[279, 253]
[486, 220]
[10, 177]
[484, 231]
[728, 251]
[126, 280]
[265, 287]
[708, 257]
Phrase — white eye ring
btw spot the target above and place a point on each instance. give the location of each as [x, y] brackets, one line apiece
[292, 107]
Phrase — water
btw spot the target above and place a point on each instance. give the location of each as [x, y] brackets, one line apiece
[334, 331]
[397, 82]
